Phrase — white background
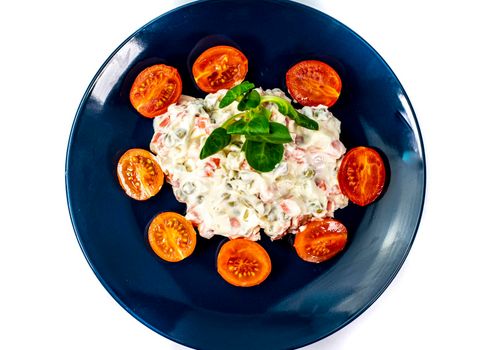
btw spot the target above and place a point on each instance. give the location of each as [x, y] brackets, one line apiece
[444, 53]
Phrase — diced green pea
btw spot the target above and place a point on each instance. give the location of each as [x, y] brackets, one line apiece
[309, 172]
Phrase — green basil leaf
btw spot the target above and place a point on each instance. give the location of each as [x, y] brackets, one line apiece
[244, 86]
[250, 100]
[302, 120]
[227, 99]
[306, 122]
[258, 125]
[278, 133]
[263, 156]
[238, 127]
[235, 92]
[216, 141]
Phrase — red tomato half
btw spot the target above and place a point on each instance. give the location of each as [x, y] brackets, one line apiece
[320, 240]
[154, 89]
[172, 237]
[220, 67]
[361, 176]
[312, 83]
[139, 174]
[243, 263]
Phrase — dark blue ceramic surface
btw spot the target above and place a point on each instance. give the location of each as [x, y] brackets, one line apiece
[188, 302]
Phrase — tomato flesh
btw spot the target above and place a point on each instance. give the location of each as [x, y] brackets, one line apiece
[219, 67]
[321, 240]
[139, 174]
[361, 176]
[243, 263]
[312, 83]
[155, 89]
[172, 237]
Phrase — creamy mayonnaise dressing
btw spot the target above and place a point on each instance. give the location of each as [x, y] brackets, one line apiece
[224, 195]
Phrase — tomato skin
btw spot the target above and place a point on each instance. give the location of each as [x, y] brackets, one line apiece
[171, 236]
[361, 176]
[139, 174]
[320, 240]
[312, 83]
[155, 89]
[219, 67]
[243, 263]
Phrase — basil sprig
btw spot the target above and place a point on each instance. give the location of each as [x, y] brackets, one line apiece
[264, 138]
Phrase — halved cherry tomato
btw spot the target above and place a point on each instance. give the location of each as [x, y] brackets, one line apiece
[361, 176]
[243, 263]
[320, 240]
[312, 83]
[172, 237]
[220, 67]
[139, 174]
[154, 89]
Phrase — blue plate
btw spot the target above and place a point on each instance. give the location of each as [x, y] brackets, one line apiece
[188, 302]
